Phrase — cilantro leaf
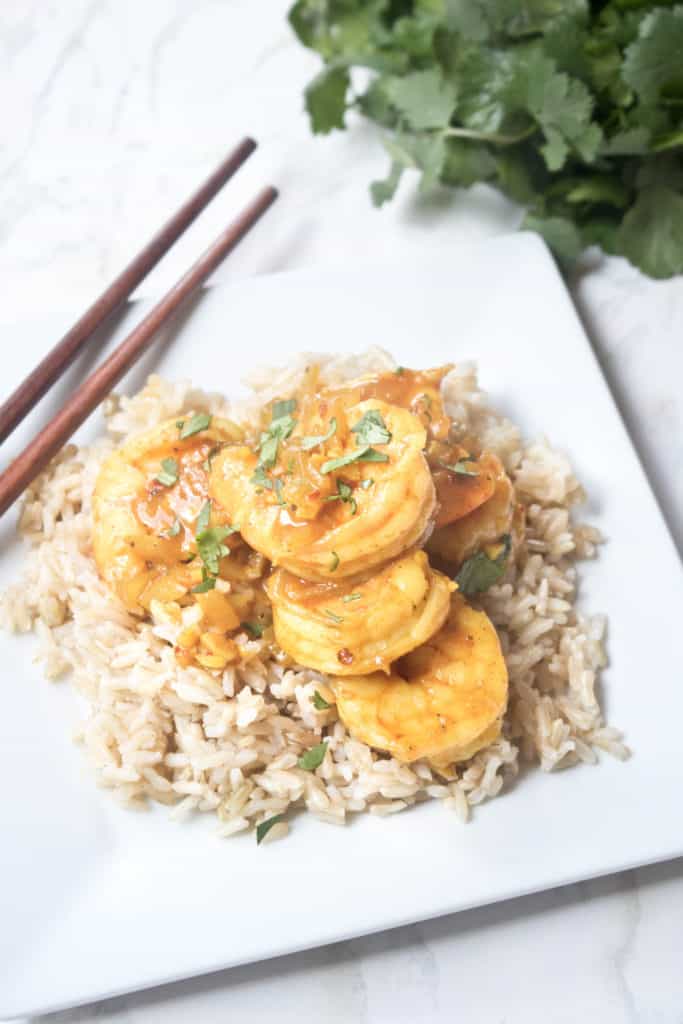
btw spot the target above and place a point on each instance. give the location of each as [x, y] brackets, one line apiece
[479, 572]
[313, 758]
[653, 64]
[175, 528]
[254, 628]
[564, 105]
[200, 421]
[211, 548]
[204, 516]
[333, 616]
[365, 454]
[168, 474]
[334, 561]
[283, 408]
[651, 233]
[264, 828]
[424, 99]
[313, 441]
[325, 99]
[459, 468]
[351, 597]
[207, 583]
[371, 428]
[319, 702]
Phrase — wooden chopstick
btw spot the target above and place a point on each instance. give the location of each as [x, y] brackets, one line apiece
[97, 386]
[32, 389]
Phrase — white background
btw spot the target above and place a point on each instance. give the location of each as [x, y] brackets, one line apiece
[112, 112]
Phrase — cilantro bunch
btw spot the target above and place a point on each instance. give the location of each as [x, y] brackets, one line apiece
[573, 108]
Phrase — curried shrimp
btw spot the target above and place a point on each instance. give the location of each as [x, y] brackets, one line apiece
[485, 525]
[332, 493]
[444, 701]
[361, 625]
[159, 542]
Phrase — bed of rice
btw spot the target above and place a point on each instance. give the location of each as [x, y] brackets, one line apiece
[229, 743]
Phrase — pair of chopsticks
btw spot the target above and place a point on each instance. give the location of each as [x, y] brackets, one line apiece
[36, 456]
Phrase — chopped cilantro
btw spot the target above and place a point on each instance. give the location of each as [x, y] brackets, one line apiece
[334, 561]
[366, 454]
[460, 467]
[255, 628]
[331, 615]
[208, 583]
[312, 441]
[399, 370]
[345, 494]
[351, 597]
[174, 530]
[319, 702]
[479, 572]
[259, 479]
[204, 516]
[264, 828]
[168, 474]
[269, 443]
[313, 758]
[211, 547]
[283, 408]
[371, 428]
[200, 421]
[278, 491]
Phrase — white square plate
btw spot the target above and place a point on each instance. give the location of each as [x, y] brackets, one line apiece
[95, 900]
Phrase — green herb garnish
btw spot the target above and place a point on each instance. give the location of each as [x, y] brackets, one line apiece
[312, 441]
[351, 597]
[203, 517]
[319, 702]
[479, 572]
[211, 547]
[259, 479]
[255, 628]
[200, 421]
[174, 530]
[345, 494]
[279, 430]
[366, 454]
[208, 583]
[371, 428]
[334, 561]
[264, 828]
[283, 408]
[331, 615]
[313, 758]
[168, 474]
[460, 467]
[278, 491]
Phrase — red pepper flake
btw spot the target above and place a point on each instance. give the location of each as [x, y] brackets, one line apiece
[345, 656]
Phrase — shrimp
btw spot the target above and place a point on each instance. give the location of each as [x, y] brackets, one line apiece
[419, 391]
[359, 626]
[444, 701]
[159, 542]
[463, 479]
[485, 525]
[345, 499]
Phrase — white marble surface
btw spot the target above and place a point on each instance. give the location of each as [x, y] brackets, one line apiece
[112, 112]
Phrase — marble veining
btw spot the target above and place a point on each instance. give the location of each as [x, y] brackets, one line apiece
[113, 111]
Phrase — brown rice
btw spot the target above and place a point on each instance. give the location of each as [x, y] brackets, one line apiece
[228, 743]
